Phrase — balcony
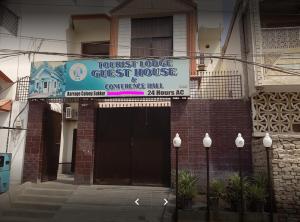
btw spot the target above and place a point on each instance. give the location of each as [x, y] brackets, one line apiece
[281, 48]
[281, 38]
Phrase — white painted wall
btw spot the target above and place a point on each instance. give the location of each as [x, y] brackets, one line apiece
[65, 155]
[214, 17]
[17, 141]
[4, 120]
[180, 35]
[124, 37]
[210, 26]
[66, 144]
[233, 48]
[87, 30]
[48, 20]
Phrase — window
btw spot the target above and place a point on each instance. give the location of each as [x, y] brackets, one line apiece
[45, 85]
[55, 85]
[37, 85]
[152, 37]
[95, 48]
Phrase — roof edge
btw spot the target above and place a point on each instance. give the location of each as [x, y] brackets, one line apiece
[122, 5]
[5, 78]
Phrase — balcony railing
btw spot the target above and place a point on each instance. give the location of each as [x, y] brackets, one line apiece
[217, 85]
[281, 38]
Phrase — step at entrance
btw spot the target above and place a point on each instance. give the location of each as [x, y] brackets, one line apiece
[38, 202]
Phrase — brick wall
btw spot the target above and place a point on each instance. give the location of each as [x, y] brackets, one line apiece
[34, 141]
[223, 120]
[259, 156]
[286, 176]
[85, 143]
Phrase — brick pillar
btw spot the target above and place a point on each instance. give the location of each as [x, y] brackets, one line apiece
[85, 143]
[34, 142]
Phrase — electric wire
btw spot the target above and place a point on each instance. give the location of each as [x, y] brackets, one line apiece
[151, 48]
[3, 90]
[195, 56]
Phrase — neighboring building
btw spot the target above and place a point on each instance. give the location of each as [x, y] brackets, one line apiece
[267, 32]
[5, 106]
[129, 141]
[275, 103]
[41, 26]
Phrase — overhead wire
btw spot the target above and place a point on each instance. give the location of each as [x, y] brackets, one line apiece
[195, 56]
[151, 48]
[13, 83]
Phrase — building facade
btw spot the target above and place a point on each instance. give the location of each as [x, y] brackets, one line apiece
[77, 142]
[268, 34]
[244, 78]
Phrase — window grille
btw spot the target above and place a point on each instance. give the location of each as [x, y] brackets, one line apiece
[22, 89]
[216, 85]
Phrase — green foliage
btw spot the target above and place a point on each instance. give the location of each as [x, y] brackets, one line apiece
[187, 184]
[261, 180]
[257, 192]
[217, 188]
[233, 188]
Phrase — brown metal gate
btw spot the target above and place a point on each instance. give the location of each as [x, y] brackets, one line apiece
[133, 146]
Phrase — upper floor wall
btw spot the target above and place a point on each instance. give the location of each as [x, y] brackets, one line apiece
[143, 28]
[275, 42]
[89, 34]
[44, 26]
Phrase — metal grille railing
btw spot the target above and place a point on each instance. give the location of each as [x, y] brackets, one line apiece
[22, 89]
[205, 85]
[216, 85]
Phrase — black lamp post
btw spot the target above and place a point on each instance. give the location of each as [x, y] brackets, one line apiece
[176, 144]
[207, 144]
[240, 142]
[267, 141]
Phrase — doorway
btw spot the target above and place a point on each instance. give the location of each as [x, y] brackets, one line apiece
[133, 146]
[51, 145]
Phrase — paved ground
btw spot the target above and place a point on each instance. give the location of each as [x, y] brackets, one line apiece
[57, 202]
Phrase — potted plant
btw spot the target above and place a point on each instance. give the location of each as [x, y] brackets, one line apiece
[217, 190]
[233, 191]
[256, 198]
[187, 188]
[256, 193]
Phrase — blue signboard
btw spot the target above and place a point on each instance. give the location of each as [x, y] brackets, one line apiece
[110, 78]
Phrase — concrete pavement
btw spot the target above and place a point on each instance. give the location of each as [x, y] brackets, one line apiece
[56, 202]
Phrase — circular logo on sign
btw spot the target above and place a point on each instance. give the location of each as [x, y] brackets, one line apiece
[78, 72]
